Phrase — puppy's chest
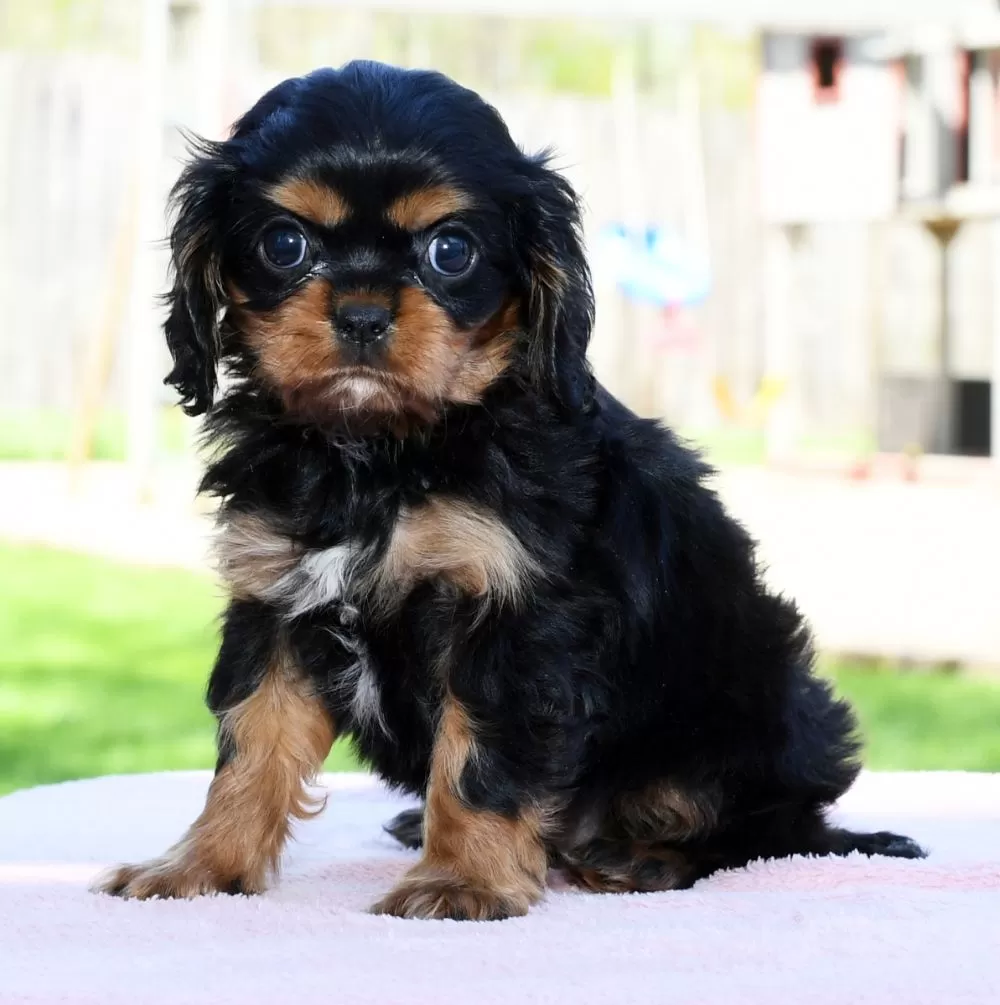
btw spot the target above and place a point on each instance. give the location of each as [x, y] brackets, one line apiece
[357, 584]
[445, 539]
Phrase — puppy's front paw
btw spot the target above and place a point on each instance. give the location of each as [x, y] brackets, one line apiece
[169, 877]
[425, 894]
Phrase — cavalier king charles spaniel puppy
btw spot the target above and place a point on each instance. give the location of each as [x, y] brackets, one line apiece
[442, 538]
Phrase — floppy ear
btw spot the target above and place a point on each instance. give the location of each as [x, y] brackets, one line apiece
[197, 296]
[561, 298]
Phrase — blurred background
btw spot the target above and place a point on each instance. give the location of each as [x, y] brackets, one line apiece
[793, 213]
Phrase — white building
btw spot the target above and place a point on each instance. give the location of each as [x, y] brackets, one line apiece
[891, 121]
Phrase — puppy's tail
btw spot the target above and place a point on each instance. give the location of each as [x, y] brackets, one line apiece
[836, 841]
[777, 835]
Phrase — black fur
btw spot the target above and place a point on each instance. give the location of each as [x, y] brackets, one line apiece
[649, 651]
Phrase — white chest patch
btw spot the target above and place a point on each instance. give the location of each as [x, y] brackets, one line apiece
[319, 578]
[456, 541]
[257, 561]
[358, 683]
[366, 699]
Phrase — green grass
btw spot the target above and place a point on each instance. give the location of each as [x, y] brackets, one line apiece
[103, 667]
[730, 445]
[925, 721]
[44, 434]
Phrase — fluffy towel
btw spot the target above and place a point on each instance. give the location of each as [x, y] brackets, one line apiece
[853, 931]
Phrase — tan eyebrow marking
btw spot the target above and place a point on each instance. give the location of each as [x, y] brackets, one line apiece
[418, 210]
[312, 200]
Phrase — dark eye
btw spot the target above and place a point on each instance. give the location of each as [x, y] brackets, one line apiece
[450, 254]
[283, 247]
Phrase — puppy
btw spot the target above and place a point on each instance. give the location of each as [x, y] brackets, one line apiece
[442, 538]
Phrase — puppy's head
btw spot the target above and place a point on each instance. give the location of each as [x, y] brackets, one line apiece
[371, 244]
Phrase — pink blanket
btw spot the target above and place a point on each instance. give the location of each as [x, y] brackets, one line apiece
[816, 931]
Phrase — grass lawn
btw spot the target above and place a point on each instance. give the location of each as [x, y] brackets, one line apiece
[44, 434]
[102, 669]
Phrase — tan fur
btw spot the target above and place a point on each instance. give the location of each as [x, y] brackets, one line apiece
[312, 200]
[426, 347]
[428, 361]
[643, 868]
[419, 210]
[251, 556]
[476, 865]
[441, 362]
[299, 357]
[294, 342]
[548, 286]
[459, 542]
[281, 735]
[643, 848]
[666, 812]
[447, 538]
[489, 354]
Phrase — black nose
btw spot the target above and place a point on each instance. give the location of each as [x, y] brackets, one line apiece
[362, 324]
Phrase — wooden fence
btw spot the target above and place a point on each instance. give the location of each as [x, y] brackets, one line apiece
[67, 128]
[67, 150]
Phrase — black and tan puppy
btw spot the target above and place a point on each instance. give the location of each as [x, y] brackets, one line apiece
[443, 539]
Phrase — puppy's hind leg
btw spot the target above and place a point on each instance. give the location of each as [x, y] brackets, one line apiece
[820, 762]
[629, 866]
[647, 840]
[607, 865]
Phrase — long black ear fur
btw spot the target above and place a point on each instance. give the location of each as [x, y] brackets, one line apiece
[561, 299]
[196, 298]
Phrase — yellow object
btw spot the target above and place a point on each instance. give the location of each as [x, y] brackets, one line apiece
[757, 409]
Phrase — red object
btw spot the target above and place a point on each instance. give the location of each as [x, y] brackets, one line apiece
[679, 329]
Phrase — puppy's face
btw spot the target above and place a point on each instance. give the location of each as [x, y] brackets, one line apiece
[371, 244]
[372, 289]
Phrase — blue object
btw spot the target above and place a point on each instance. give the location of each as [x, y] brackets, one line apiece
[654, 265]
